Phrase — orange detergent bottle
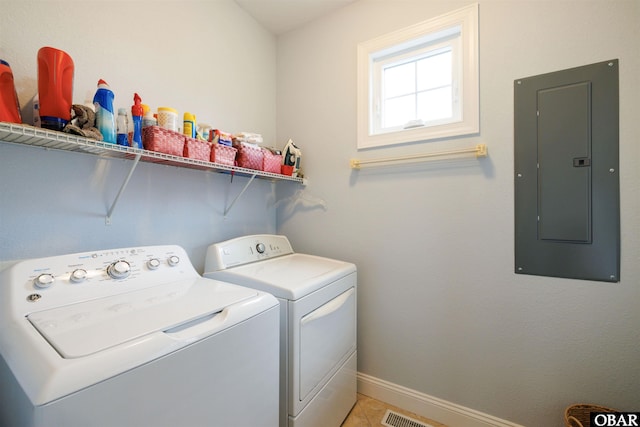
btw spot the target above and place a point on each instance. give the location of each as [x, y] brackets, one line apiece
[9, 105]
[55, 87]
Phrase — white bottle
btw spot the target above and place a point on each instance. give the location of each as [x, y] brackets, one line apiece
[36, 111]
[123, 127]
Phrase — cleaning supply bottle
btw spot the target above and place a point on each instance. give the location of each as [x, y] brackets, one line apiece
[123, 127]
[168, 118]
[36, 111]
[88, 101]
[204, 130]
[105, 120]
[55, 87]
[145, 110]
[137, 112]
[9, 105]
[189, 125]
[149, 120]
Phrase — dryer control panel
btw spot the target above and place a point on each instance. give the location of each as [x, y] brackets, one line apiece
[44, 283]
[245, 250]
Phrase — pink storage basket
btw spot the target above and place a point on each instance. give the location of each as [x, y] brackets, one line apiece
[156, 138]
[250, 157]
[197, 149]
[223, 155]
[271, 162]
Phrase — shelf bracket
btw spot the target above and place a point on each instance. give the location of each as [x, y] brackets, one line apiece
[124, 185]
[228, 209]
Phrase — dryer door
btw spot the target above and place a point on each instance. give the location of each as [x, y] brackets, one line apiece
[327, 337]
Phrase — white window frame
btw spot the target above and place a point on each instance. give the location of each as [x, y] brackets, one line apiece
[466, 118]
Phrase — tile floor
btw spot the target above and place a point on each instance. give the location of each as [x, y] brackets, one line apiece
[369, 412]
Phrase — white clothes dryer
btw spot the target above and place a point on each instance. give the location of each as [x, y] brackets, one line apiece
[134, 337]
[317, 328]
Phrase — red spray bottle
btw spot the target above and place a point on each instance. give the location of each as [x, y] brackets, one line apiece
[136, 114]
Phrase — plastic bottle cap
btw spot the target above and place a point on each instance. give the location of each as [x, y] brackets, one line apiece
[168, 109]
[136, 108]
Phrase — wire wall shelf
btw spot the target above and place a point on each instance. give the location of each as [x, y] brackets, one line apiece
[49, 139]
[38, 137]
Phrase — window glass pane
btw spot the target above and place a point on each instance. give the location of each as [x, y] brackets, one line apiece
[398, 111]
[399, 80]
[427, 71]
[434, 71]
[435, 104]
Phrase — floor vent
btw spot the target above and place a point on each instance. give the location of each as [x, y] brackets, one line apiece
[394, 419]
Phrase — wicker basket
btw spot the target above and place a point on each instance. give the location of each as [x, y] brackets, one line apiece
[196, 149]
[250, 156]
[163, 140]
[579, 415]
[223, 155]
[271, 162]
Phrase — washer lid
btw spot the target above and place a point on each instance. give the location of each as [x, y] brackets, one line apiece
[290, 277]
[85, 328]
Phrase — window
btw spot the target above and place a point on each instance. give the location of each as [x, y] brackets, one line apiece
[421, 82]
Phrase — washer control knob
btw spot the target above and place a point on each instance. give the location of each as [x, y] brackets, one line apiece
[119, 269]
[153, 263]
[78, 275]
[44, 280]
[260, 248]
[173, 260]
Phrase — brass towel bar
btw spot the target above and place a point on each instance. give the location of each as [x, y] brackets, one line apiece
[479, 150]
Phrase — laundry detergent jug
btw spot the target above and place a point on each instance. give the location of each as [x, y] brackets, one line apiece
[9, 105]
[55, 87]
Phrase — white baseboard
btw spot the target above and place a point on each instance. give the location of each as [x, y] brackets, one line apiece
[427, 406]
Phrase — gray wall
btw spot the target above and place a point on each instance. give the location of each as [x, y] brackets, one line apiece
[440, 309]
[187, 55]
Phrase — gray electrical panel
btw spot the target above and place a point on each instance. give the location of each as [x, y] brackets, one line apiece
[567, 202]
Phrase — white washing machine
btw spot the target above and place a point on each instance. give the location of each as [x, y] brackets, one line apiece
[318, 322]
[134, 337]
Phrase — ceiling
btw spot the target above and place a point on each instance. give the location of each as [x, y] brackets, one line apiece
[280, 16]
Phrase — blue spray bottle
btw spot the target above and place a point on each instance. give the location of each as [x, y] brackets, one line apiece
[136, 114]
[105, 119]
